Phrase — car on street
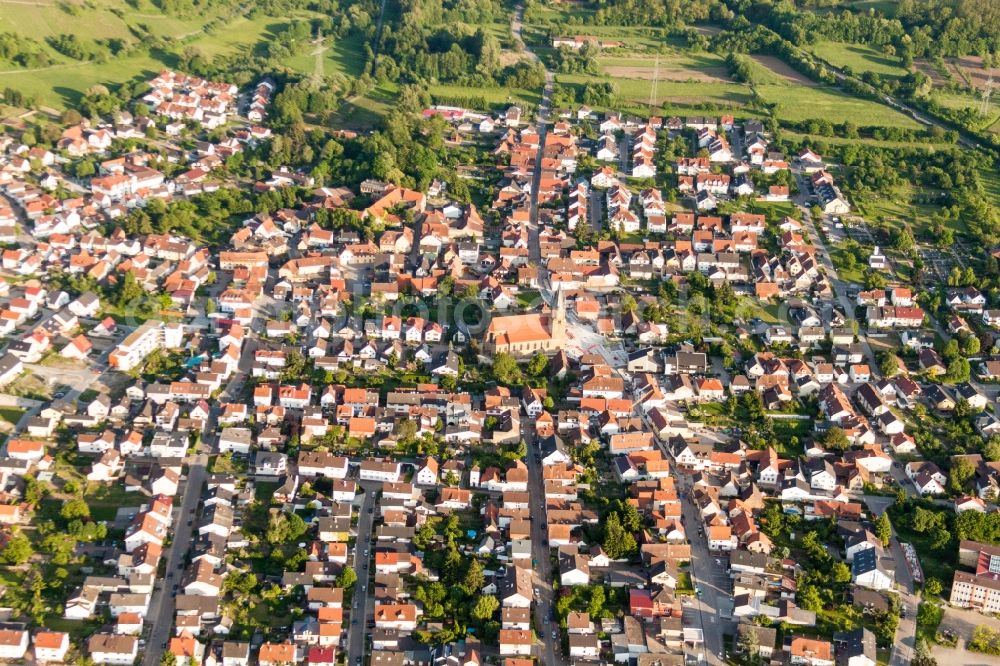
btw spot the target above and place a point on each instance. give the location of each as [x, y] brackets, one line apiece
[555, 634]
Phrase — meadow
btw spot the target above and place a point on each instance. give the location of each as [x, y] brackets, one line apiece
[859, 58]
[62, 83]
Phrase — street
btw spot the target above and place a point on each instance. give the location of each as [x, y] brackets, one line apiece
[548, 651]
[362, 606]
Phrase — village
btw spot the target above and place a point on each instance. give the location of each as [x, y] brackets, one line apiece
[625, 411]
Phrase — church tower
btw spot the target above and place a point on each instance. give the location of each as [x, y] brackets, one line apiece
[559, 321]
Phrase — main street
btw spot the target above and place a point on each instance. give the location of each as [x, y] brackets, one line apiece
[707, 575]
[548, 651]
[362, 605]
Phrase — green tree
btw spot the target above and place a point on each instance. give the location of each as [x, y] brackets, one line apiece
[475, 578]
[347, 578]
[888, 363]
[484, 608]
[597, 600]
[618, 543]
[749, 644]
[506, 370]
[18, 550]
[538, 364]
[883, 528]
[960, 475]
[835, 439]
[74, 509]
[932, 587]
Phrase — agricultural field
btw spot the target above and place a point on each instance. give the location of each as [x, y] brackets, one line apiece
[671, 95]
[706, 67]
[859, 58]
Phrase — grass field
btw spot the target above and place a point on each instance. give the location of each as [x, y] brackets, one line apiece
[859, 58]
[680, 94]
[666, 67]
[492, 96]
[799, 103]
[62, 83]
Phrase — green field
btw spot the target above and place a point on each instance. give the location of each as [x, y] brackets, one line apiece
[798, 103]
[61, 83]
[492, 96]
[859, 58]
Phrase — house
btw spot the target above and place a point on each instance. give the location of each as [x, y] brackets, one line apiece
[113, 649]
[516, 642]
[13, 644]
[810, 652]
[867, 570]
[51, 646]
[855, 648]
[276, 654]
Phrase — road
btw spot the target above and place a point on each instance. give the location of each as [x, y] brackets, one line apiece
[541, 579]
[839, 286]
[363, 606]
[710, 577]
[161, 610]
[906, 632]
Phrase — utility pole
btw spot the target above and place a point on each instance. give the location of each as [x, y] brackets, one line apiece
[656, 79]
[984, 107]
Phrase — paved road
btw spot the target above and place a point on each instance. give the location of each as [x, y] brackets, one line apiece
[161, 613]
[548, 651]
[709, 575]
[906, 632]
[362, 607]
[838, 285]
[161, 610]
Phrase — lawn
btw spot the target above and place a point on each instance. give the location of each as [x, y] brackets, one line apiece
[859, 58]
[11, 414]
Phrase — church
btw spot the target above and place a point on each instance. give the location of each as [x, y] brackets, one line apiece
[522, 335]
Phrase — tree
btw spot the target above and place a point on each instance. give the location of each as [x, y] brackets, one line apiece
[597, 601]
[347, 578]
[749, 643]
[617, 543]
[484, 608]
[75, 509]
[932, 587]
[840, 573]
[168, 659]
[475, 578]
[961, 473]
[835, 439]
[991, 450]
[922, 654]
[883, 528]
[18, 550]
[888, 363]
[538, 364]
[506, 370]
